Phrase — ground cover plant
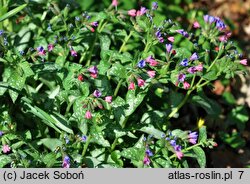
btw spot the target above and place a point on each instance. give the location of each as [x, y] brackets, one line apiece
[104, 88]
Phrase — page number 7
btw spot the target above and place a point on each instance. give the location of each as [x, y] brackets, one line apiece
[241, 173]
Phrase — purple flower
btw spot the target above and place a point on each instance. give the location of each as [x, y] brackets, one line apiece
[142, 11]
[169, 47]
[211, 19]
[84, 138]
[220, 24]
[41, 51]
[1, 32]
[73, 53]
[50, 47]
[66, 162]
[181, 77]
[93, 70]
[182, 32]
[1, 133]
[184, 62]
[206, 17]
[97, 93]
[154, 6]
[194, 57]
[149, 153]
[95, 24]
[178, 152]
[146, 160]
[177, 148]
[173, 143]
[158, 34]
[192, 137]
[141, 64]
[192, 69]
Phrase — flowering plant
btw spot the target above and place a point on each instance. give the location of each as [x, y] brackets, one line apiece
[103, 89]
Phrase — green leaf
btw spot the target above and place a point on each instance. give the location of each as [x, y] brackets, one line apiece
[12, 12]
[210, 106]
[118, 70]
[50, 159]
[202, 134]
[4, 160]
[211, 75]
[97, 136]
[235, 140]
[51, 143]
[3, 87]
[201, 156]
[133, 101]
[238, 116]
[152, 131]
[16, 83]
[105, 42]
[26, 69]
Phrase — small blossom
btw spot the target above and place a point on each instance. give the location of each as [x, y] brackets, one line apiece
[186, 85]
[50, 47]
[108, 99]
[66, 162]
[114, 3]
[196, 25]
[172, 142]
[192, 137]
[141, 64]
[181, 77]
[131, 86]
[151, 73]
[140, 82]
[243, 61]
[151, 61]
[41, 51]
[132, 13]
[80, 77]
[97, 93]
[141, 12]
[184, 62]
[220, 24]
[154, 6]
[171, 39]
[88, 115]
[73, 53]
[6, 148]
[77, 18]
[169, 47]
[183, 33]
[178, 152]
[149, 153]
[95, 24]
[192, 69]
[21, 52]
[146, 160]
[93, 70]
[5, 41]
[206, 17]
[199, 67]
[211, 19]
[93, 75]
[1, 32]
[1, 133]
[194, 57]
[84, 138]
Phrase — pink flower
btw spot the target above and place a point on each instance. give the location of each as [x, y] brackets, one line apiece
[73, 53]
[6, 148]
[151, 61]
[151, 73]
[108, 99]
[179, 154]
[132, 13]
[41, 51]
[93, 75]
[50, 47]
[140, 82]
[146, 160]
[196, 24]
[88, 115]
[131, 86]
[114, 3]
[243, 61]
[199, 67]
[141, 12]
[186, 85]
[171, 39]
[80, 77]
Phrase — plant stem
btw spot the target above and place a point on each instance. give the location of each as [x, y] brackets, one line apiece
[118, 87]
[114, 145]
[86, 145]
[125, 41]
[91, 50]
